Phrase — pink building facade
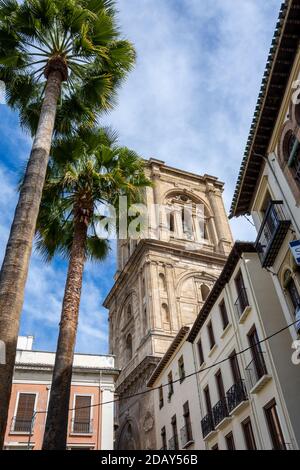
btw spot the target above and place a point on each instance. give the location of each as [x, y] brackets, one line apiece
[90, 427]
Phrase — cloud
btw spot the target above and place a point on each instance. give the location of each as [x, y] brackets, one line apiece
[189, 101]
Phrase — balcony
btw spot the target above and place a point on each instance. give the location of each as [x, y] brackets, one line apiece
[256, 373]
[242, 305]
[82, 427]
[186, 436]
[220, 413]
[207, 425]
[237, 397]
[21, 425]
[173, 443]
[272, 233]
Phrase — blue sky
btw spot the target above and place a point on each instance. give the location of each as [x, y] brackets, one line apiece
[189, 102]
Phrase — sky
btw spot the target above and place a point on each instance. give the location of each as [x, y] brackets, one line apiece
[189, 102]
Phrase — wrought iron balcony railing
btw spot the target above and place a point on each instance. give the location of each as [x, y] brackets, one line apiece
[236, 395]
[82, 427]
[186, 434]
[220, 411]
[241, 302]
[207, 424]
[21, 425]
[272, 232]
[173, 443]
[256, 369]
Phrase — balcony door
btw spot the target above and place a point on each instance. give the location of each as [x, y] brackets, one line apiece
[220, 385]
[257, 355]
[235, 369]
[207, 400]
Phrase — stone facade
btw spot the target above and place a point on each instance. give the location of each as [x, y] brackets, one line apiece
[160, 285]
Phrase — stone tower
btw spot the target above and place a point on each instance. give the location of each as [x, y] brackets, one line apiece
[160, 285]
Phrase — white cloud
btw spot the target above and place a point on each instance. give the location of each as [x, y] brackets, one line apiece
[189, 102]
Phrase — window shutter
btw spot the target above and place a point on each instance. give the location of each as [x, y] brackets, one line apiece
[25, 407]
[82, 415]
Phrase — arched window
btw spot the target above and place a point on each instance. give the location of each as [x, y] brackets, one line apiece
[291, 289]
[165, 313]
[162, 283]
[204, 291]
[291, 154]
[129, 347]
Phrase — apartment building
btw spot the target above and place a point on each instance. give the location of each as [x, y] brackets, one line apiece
[238, 390]
[268, 186]
[91, 426]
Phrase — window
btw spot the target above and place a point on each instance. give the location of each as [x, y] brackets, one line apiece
[174, 433]
[242, 300]
[200, 351]
[207, 399]
[82, 415]
[162, 283]
[235, 369]
[291, 150]
[230, 441]
[170, 384]
[274, 426]
[165, 313]
[25, 411]
[204, 291]
[224, 315]
[181, 369]
[129, 312]
[145, 322]
[248, 434]
[129, 347]
[291, 289]
[215, 447]
[161, 397]
[163, 438]
[220, 385]
[187, 422]
[257, 355]
[211, 335]
[171, 222]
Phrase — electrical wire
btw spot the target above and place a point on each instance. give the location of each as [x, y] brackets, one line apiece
[152, 389]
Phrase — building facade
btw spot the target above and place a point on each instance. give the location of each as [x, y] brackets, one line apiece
[161, 282]
[239, 389]
[90, 427]
[268, 187]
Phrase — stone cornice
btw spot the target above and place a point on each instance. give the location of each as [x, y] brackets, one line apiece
[143, 370]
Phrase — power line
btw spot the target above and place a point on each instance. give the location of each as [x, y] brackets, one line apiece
[152, 389]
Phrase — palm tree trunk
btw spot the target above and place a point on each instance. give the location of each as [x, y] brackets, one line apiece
[18, 250]
[55, 437]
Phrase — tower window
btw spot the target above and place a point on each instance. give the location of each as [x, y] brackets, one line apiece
[162, 283]
[204, 291]
[166, 313]
[129, 347]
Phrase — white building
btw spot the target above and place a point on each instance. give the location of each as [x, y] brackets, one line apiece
[244, 392]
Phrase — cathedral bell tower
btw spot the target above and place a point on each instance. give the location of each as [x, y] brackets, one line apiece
[161, 283]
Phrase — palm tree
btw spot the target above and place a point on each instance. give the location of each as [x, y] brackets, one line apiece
[95, 173]
[61, 61]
